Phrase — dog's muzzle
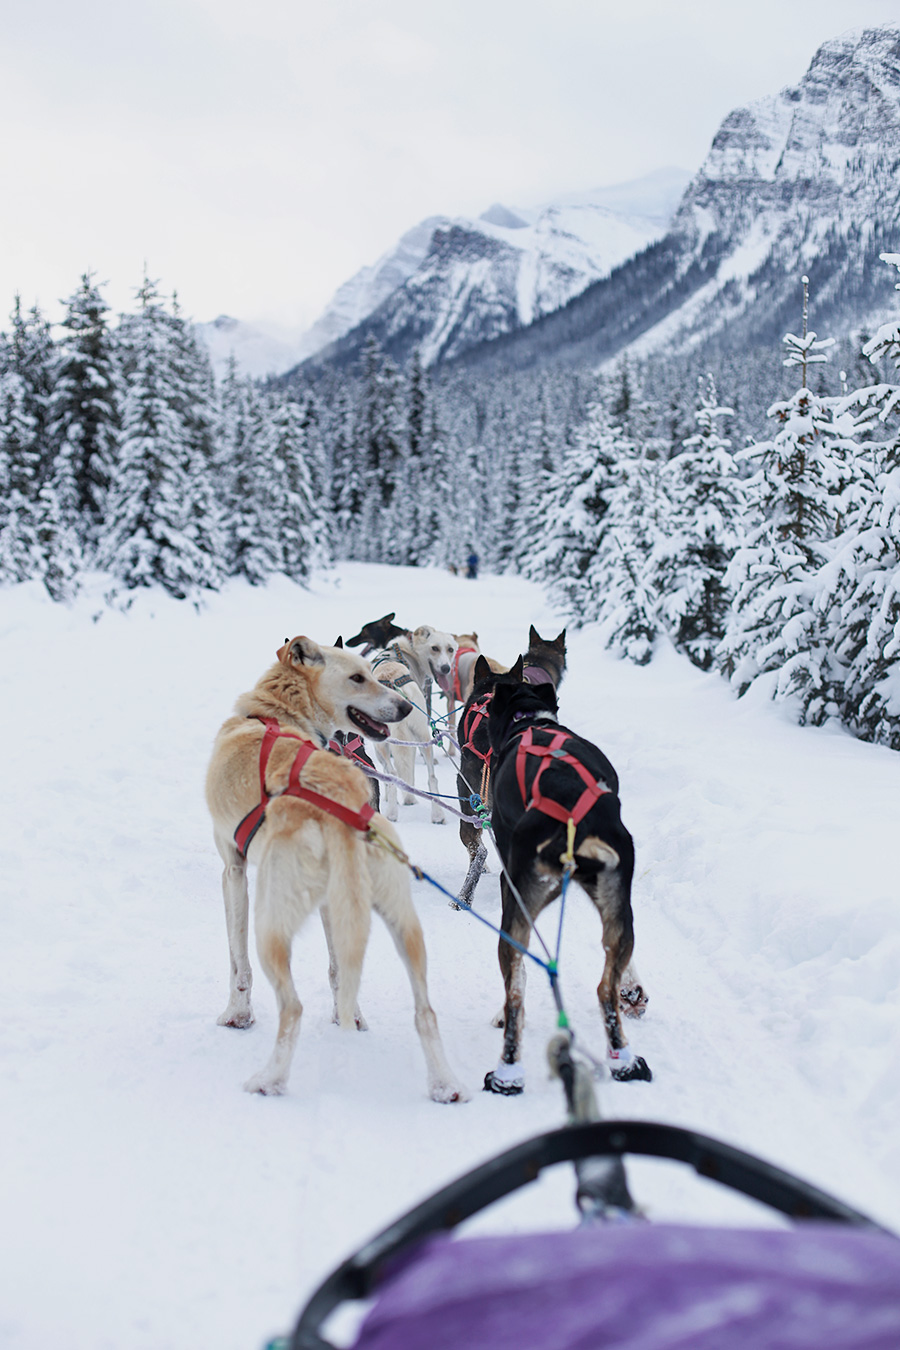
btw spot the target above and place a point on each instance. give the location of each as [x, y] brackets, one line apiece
[376, 731]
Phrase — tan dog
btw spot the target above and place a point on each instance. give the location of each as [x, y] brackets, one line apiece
[308, 859]
[462, 674]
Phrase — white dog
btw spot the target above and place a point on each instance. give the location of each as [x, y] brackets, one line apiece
[407, 666]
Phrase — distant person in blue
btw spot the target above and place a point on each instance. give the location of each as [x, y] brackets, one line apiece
[472, 566]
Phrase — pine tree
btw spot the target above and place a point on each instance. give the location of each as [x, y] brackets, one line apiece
[618, 580]
[776, 626]
[151, 533]
[29, 352]
[250, 490]
[83, 409]
[21, 558]
[575, 508]
[862, 591]
[297, 524]
[703, 502]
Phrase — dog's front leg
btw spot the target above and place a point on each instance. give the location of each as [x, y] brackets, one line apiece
[390, 787]
[239, 1012]
[437, 811]
[333, 977]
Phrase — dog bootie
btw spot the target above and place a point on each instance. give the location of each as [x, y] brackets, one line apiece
[507, 1079]
[626, 1067]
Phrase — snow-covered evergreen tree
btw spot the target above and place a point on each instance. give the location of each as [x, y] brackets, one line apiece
[151, 533]
[703, 501]
[28, 351]
[297, 525]
[21, 558]
[617, 583]
[83, 409]
[575, 505]
[776, 625]
[861, 588]
[250, 490]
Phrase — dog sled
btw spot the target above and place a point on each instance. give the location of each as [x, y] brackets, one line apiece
[831, 1280]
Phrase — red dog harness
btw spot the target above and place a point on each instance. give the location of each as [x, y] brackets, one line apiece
[454, 673]
[243, 835]
[553, 750]
[348, 749]
[470, 724]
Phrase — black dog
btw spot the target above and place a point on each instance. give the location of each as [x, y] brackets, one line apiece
[377, 633]
[543, 663]
[543, 775]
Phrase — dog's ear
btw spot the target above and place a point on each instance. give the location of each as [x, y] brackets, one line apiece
[301, 651]
[423, 632]
[474, 637]
[560, 641]
[547, 694]
[516, 673]
[482, 669]
[534, 637]
[338, 642]
[388, 618]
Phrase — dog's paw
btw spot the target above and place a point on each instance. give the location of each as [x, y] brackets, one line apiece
[637, 1070]
[409, 799]
[437, 819]
[452, 904]
[360, 1022]
[499, 1020]
[236, 1017]
[633, 1000]
[448, 1092]
[503, 1087]
[265, 1085]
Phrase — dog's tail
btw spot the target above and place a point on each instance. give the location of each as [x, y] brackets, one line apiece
[350, 916]
[594, 855]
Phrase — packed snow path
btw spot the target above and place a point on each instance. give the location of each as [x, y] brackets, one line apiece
[148, 1202]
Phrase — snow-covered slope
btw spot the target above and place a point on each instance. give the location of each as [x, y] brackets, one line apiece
[453, 282]
[804, 181]
[148, 1202]
[258, 349]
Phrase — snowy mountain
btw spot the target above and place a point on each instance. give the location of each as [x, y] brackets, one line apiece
[452, 282]
[259, 349]
[802, 181]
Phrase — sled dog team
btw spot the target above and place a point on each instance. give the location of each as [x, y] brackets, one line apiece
[286, 792]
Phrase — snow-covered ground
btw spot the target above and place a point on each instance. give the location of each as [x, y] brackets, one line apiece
[149, 1203]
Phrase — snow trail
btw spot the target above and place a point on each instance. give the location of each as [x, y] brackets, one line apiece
[149, 1202]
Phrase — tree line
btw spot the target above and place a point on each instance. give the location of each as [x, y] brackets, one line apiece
[638, 497]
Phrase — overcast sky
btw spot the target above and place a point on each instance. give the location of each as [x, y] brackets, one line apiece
[256, 153]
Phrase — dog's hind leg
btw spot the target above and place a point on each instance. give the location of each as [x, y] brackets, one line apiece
[392, 900]
[633, 997]
[333, 980]
[611, 899]
[238, 1012]
[349, 920]
[284, 899]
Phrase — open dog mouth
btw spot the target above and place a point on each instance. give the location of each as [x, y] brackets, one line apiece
[377, 731]
[442, 680]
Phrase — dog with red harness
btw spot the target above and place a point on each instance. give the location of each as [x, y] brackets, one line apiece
[543, 663]
[281, 800]
[547, 781]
